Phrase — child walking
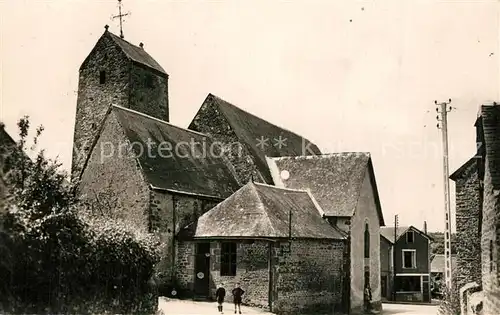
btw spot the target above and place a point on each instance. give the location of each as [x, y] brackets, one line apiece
[220, 294]
[237, 293]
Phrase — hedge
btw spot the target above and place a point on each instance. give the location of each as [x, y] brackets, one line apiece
[66, 263]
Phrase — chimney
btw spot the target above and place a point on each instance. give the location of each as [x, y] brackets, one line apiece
[425, 227]
[141, 45]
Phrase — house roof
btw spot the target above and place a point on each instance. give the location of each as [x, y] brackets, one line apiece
[250, 128]
[136, 54]
[131, 52]
[456, 175]
[334, 179]
[184, 168]
[438, 263]
[262, 211]
[388, 232]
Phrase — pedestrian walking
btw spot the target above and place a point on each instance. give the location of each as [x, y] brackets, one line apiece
[237, 293]
[220, 294]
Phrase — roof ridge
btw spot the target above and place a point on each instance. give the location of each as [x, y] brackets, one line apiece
[158, 120]
[315, 202]
[263, 207]
[323, 155]
[254, 115]
[281, 188]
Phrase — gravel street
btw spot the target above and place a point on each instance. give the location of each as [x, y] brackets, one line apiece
[188, 307]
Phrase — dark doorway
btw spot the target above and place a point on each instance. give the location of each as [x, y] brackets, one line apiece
[383, 284]
[202, 270]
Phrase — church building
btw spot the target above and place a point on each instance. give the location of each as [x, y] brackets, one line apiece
[298, 229]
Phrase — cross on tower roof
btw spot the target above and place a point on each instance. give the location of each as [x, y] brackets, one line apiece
[120, 16]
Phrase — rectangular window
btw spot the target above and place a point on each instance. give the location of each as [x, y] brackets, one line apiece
[408, 284]
[409, 237]
[102, 77]
[409, 259]
[228, 259]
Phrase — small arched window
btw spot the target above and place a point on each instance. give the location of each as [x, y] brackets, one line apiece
[367, 241]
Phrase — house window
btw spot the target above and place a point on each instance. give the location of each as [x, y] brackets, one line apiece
[408, 284]
[409, 237]
[228, 259]
[409, 259]
[102, 77]
[367, 241]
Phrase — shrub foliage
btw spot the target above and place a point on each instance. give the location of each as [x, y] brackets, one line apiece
[53, 259]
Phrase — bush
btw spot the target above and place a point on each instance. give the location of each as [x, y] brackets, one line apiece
[65, 264]
[53, 259]
[450, 304]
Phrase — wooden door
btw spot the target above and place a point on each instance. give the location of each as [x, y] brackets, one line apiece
[202, 270]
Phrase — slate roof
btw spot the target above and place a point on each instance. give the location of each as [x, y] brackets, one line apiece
[388, 232]
[438, 263]
[458, 173]
[188, 170]
[136, 54]
[249, 128]
[334, 179]
[262, 211]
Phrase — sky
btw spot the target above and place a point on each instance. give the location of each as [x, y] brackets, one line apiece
[347, 75]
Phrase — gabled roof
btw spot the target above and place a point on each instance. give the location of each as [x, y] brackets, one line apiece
[136, 54]
[262, 211]
[250, 128]
[334, 179]
[438, 263]
[182, 167]
[388, 232]
[132, 52]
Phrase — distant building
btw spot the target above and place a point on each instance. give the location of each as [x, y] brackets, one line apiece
[406, 250]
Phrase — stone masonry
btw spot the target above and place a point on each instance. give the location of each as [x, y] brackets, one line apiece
[468, 225]
[308, 279]
[490, 241]
[210, 122]
[114, 185]
[108, 77]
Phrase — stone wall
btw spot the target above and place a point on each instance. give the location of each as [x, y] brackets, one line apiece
[252, 270]
[149, 92]
[211, 121]
[490, 241]
[366, 212]
[163, 207]
[95, 98]
[112, 184]
[310, 278]
[468, 237]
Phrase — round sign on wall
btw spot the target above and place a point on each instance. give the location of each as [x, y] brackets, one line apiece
[200, 275]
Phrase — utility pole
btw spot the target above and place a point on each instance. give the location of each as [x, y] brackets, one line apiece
[396, 223]
[443, 109]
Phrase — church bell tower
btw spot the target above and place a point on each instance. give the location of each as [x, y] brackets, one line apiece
[115, 72]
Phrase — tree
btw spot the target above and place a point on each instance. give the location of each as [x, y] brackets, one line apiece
[54, 260]
[437, 246]
[38, 187]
